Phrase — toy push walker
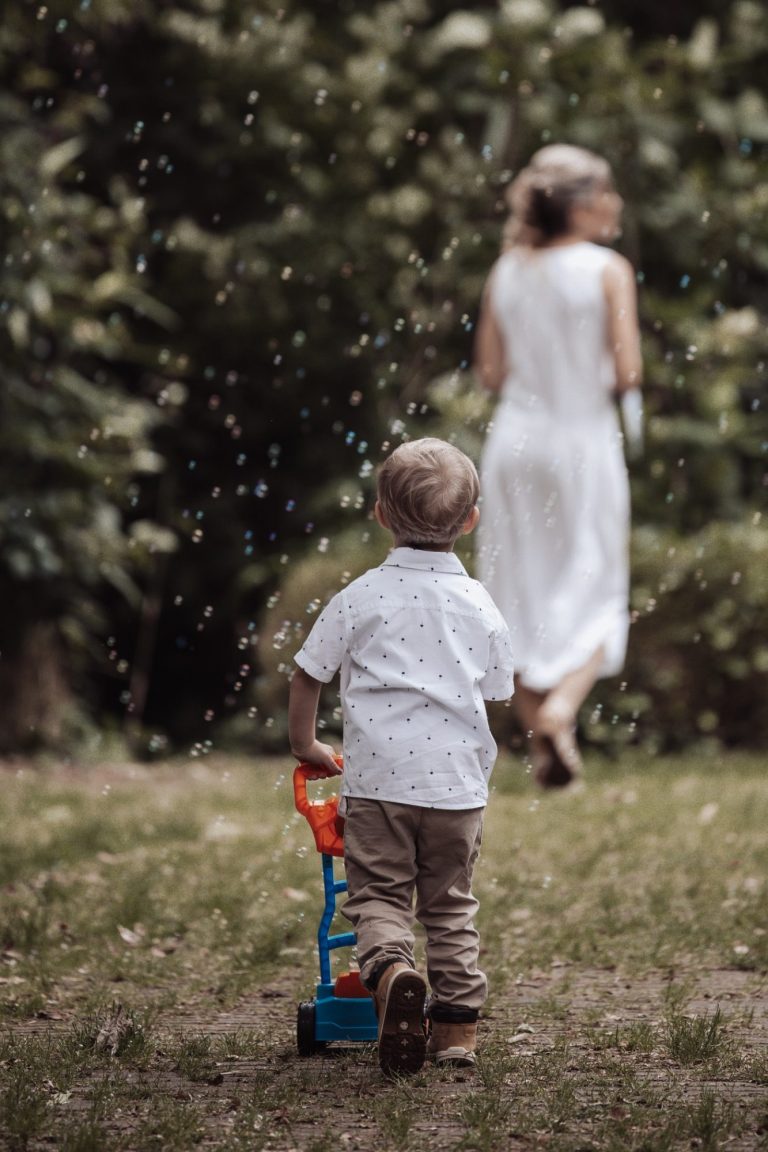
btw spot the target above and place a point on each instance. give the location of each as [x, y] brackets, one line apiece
[341, 1009]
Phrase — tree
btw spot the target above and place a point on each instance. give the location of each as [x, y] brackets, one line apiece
[72, 439]
[280, 219]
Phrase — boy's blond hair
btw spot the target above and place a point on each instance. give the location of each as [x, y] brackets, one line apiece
[427, 490]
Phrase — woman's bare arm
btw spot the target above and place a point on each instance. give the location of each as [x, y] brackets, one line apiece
[623, 328]
[489, 360]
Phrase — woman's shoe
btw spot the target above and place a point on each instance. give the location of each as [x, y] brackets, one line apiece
[558, 765]
[556, 762]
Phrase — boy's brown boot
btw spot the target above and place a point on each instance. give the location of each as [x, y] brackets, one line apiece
[452, 1044]
[400, 998]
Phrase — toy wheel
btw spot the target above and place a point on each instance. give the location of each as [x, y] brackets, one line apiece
[305, 1029]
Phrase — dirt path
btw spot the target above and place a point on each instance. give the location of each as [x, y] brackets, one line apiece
[575, 1058]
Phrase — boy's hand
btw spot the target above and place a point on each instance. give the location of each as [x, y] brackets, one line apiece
[317, 753]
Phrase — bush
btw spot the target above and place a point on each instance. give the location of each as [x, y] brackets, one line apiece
[306, 589]
[697, 665]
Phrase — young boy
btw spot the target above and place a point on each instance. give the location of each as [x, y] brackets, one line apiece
[420, 646]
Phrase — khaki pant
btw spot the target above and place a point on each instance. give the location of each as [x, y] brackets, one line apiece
[390, 852]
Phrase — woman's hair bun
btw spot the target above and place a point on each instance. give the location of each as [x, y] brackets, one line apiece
[543, 193]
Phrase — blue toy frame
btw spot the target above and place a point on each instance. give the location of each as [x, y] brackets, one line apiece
[349, 1018]
[341, 1009]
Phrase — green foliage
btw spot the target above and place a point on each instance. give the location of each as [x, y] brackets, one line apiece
[678, 119]
[698, 660]
[290, 614]
[72, 437]
[251, 268]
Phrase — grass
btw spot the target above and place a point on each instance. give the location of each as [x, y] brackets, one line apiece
[694, 1039]
[663, 849]
[157, 930]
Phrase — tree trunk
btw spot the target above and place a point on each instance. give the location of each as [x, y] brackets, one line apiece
[34, 694]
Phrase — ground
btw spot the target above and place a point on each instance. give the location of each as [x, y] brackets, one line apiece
[157, 935]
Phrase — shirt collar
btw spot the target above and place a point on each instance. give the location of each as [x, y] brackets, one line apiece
[425, 561]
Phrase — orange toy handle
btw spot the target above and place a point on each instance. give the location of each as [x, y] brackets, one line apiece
[322, 815]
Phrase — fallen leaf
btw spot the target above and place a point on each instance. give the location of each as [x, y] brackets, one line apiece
[132, 936]
[295, 894]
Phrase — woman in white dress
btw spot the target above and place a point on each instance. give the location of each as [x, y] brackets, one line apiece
[558, 339]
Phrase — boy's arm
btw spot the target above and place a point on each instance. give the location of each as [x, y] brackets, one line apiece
[302, 717]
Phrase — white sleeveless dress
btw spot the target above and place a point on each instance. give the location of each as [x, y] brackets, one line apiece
[554, 526]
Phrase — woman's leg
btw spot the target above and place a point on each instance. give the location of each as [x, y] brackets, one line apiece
[527, 702]
[562, 704]
[556, 759]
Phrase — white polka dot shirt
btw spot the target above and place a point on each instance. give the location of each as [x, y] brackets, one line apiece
[421, 646]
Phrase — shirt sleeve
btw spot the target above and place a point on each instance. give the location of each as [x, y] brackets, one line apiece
[499, 680]
[321, 653]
